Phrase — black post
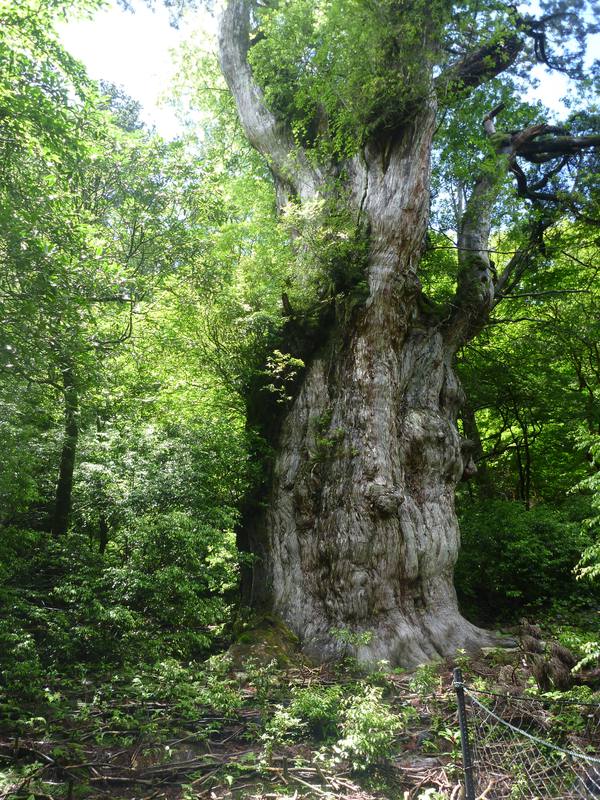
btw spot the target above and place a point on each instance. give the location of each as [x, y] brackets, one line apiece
[464, 736]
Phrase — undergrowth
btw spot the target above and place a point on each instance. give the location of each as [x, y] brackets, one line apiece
[215, 729]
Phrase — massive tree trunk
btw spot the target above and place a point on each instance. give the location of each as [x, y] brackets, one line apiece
[360, 532]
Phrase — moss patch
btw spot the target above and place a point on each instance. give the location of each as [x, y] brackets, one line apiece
[266, 639]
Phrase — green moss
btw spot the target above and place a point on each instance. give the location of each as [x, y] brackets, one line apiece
[266, 639]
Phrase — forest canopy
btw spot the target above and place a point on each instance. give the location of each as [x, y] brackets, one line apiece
[264, 371]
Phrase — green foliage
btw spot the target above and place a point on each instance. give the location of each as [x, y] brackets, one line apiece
[283, 370]
[314, 713]
[368, 728]
[175, 573]
[340, 70]
[158, 591]
[425, 680]
[191, 687]
[281, 729]
[332, 258]
[531, 377]
[125, 472]
[589, 565]
[348, 637]
[113, 245]
[511, 557]
[319, 708]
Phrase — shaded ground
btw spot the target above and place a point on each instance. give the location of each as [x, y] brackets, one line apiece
[192, 732]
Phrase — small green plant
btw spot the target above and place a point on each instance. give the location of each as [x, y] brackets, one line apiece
[425, 681]
[264, 678]
[520, 788]
[281, 729]
[451, 736]
[462, 660]
[382, 675]
[327, 442]
[326, 447]
[354, 638]
[369, 729]
[283, 369]
[350, 641]
[319, 707]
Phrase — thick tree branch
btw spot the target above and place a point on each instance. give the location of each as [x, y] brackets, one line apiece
[476, 273]
[479, 66]
[527, 144]
[548, 292]
[475, 283]
[479, 289]
[560, 146]
[521, 261]
[269, 135]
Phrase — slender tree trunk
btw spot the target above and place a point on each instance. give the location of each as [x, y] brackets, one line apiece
[527, 468]
[103, 533]
[64, 486]
[521, 484]
[482, 478]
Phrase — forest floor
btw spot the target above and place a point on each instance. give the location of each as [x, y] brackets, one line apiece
[196, 731]
[124, 747]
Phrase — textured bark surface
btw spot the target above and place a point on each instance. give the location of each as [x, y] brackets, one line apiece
[361, 532]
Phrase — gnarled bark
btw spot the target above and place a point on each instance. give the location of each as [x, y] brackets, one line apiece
[360, 531]
[269, 135]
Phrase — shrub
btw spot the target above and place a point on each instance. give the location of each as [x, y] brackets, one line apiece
[174, 571]
[320, 708]
[369, 728]
[511, 557]
[157, 593]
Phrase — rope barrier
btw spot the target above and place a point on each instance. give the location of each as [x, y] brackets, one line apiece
[504, 751]
[536, 699]
[549, 745]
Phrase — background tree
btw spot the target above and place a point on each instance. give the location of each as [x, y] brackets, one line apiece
[118, 210]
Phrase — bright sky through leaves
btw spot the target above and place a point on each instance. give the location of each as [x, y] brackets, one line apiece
[133, 50]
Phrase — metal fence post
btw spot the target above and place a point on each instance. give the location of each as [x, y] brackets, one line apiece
[464, 736]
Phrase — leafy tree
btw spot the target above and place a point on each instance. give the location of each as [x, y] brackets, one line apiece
[343, 100]
[511, 557]
[589, 566]
[531, 377]
[120, 210]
